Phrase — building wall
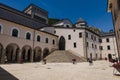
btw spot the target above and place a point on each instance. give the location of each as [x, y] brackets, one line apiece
[74, 39]
[115, 9]
[93, 45]
[7, 39]
[112, 44]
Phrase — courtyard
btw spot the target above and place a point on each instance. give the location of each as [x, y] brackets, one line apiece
[100, 70]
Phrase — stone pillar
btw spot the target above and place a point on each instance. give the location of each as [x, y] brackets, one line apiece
[14, 54]
[20, 56]
[3, 56]
[31, 56]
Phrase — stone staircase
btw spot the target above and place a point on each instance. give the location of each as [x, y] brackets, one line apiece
[63, 56]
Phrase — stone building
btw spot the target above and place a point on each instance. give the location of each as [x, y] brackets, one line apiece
[20, 37]
[82, 41]
[114, 7]
[25, 36]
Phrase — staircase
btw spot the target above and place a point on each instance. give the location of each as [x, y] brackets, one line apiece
[63, 56]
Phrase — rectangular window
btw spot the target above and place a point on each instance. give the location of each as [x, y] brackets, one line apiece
[86, 34]
[75, 45]
[100, 47]
[80, 35]
[69, 37]
[92, 46]
[95, 46]
[107, 39]
[108, 47]
[92, 37]
[87, 44]
[100, 40]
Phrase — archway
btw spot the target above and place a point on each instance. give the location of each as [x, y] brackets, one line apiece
[12, 53]
[37, 54]
[109, 56]
[62, 43]
[45, 52]
[26, 53]
[1, 50]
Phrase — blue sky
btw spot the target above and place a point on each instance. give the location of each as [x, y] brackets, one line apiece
[92, 11]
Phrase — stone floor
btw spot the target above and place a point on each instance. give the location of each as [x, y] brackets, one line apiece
[100, 70]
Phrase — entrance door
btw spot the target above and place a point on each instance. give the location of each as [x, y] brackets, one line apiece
[109, 56]
[62, 43]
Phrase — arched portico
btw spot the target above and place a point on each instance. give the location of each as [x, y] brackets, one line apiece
[12, 53]
[45, 52]
[37, 54]
[26, 53]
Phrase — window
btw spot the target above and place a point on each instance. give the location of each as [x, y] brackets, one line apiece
[75, 45]
[38, 38]
[101, 48]
[95, 46]
[92, 46]
[69, 37]
[107, 39]
[86, 34]
[80, 35]
[92, 37]
[15, 33]
[28, 36]
[46, 40]
[87, 44]
[54, 31]
[53, 41]
[108, 47]
[100, 40]
[74, 30]
[67, 26]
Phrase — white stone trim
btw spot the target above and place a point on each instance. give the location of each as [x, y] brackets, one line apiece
[30, 33]
[15, 28]
[36, 37]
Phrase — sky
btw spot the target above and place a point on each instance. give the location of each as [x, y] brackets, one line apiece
[94, 12]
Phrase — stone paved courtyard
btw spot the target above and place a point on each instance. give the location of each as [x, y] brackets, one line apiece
[100, 70]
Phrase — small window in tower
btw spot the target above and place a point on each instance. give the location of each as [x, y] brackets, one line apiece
[75, 45]
[69, 37]
[80, 35]
[107, 39]
[46, 40]
[108, 47]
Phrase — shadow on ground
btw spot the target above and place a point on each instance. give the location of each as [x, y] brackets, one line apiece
[4, 75]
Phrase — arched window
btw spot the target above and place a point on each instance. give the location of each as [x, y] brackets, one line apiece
[15, 33]
[80, 35]
[53, 41]
[38, 38]
[46, 40]
[69, 37]
[28, 36]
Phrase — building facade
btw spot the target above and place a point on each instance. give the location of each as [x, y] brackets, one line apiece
[21, 41]
[114, 7]
[26, 37]
[82, 41]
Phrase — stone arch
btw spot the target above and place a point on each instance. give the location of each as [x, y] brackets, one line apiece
[12, 53]
[45, 52]
[37, 54]
[62, 43]
[26, 53]
[1, 52]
